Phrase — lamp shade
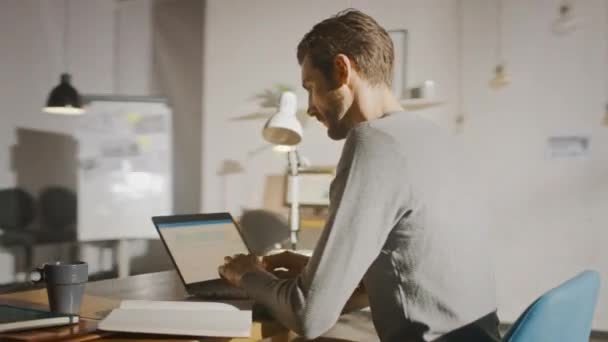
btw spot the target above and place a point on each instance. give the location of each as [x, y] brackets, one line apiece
[64, 99]
[283, 128]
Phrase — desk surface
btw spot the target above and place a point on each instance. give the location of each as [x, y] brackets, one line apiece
[158, 286]
[103, 296]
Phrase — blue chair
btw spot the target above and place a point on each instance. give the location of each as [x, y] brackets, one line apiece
[563, 314]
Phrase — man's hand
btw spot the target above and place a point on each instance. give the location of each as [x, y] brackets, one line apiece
[236, 266]
[289, 265]
[285, 264]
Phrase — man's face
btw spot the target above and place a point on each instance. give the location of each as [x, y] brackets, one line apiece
[325, 100]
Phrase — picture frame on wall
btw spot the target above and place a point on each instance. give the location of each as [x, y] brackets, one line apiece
[399, 38]
[314, 186]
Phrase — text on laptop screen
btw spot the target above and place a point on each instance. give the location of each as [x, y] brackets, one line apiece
[199, 247]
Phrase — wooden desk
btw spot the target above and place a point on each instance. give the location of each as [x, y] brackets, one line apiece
[103, 296]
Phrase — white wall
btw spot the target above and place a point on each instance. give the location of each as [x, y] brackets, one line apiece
[549, 215]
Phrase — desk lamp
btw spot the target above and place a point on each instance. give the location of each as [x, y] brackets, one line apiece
[285, 131]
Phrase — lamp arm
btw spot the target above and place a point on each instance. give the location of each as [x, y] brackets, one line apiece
[294, 217]
[294, 162]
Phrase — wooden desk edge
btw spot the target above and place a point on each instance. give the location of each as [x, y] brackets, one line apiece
[37, 299]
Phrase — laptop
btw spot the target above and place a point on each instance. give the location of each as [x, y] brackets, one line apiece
[197, 245]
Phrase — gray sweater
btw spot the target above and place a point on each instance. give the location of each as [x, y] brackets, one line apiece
[402, 221]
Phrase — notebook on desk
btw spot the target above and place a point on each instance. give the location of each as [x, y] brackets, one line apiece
[197, 245]
[15, 318]
[180, 318]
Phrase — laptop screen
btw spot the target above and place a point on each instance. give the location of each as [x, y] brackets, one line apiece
[198, 247]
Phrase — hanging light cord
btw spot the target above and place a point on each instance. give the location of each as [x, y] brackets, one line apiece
[499, 56]
[606, 59]
[460, 58]
[115, 45]
[66, 30]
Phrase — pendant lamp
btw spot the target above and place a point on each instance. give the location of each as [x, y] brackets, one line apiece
[64, 99]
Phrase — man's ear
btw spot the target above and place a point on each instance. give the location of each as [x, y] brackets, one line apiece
[343, 69]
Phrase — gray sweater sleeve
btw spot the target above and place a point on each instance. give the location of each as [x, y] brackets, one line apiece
[367, 200]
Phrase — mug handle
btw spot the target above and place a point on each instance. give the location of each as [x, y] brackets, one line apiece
[40, 271]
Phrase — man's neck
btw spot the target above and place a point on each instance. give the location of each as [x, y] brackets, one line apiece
[373, 102]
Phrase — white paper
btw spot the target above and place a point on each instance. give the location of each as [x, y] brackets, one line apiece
[179, 318]
[181, 305]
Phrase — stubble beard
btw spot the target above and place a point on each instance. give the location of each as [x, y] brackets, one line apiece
[336, 121]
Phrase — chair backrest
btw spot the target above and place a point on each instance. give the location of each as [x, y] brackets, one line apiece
[563, 314]
[58, 208]
[16, 209]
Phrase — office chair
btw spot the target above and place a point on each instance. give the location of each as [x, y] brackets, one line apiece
[17, 211]
[563, 314]
[58, 212]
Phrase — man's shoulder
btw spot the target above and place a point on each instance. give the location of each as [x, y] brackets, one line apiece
[409, 131]
[366, 138]
[370, 145]
[379, 131]
[389, 130]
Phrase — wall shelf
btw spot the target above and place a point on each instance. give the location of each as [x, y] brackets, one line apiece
[417, 104]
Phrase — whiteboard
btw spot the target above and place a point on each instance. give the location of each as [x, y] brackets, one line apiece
[125, 168]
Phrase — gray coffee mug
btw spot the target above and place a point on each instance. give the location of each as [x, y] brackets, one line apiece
[65, 283]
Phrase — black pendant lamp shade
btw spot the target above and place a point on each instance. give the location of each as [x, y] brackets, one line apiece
[64, 99]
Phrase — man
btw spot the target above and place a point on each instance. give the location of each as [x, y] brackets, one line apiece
[400, 219]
